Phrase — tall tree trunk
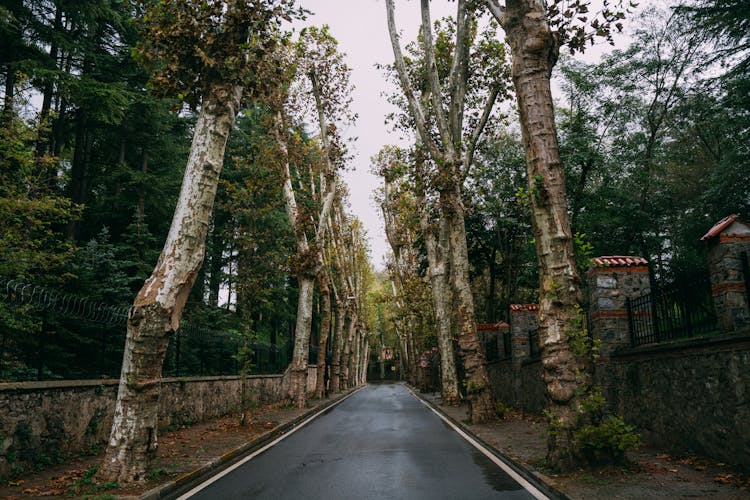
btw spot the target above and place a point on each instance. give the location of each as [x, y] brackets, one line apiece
[478, 389]
[441, 297]
[437, 255]
[9, 97]
[44, 134]
[300, 355]
[453, 155]
[567, 376]
[363, 361]
[413, 352]
[357, 358]
[141, 206]
[346, 354]
[215, 263]
[157, 308]
[491, 309]
[325, 327]
[336, 349]
[79, 170]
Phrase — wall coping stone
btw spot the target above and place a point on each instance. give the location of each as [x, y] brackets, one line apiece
[71, 384]
[684, 346]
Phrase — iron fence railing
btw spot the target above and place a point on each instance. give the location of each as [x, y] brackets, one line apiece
[679, 311]
[70, 337]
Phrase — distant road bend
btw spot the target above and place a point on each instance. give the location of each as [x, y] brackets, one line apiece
[380, 443]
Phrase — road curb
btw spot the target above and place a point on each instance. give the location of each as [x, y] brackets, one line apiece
[539, 480]
[186, 482]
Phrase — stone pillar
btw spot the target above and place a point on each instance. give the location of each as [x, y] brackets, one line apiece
[612, 280]
[728, 246]
[522, 320]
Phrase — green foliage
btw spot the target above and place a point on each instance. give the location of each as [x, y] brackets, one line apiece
[502, 409]
[598, 438]
[601, 439]
[581, 344]
[653, 162]
[473, 388]
[157, 474]
[584, 251]
[607, 441]
[87, 486]
[30, 208]
[194, 44]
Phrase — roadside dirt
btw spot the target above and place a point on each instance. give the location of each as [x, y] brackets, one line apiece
[650, 473]
[181, 451]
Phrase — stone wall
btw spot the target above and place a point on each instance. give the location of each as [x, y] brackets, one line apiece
[43, 421]
[522, 388]
[517, 381]
[685, 396]
[689, 395]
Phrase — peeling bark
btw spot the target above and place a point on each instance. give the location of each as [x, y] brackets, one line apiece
[452, 162]
[478, 390]
[567, 376]
[437, 253]
[297, 372]
[157, 309]
[325, 327]
[336, 350]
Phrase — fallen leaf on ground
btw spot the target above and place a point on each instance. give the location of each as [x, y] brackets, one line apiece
[725, 478]
[663, 456]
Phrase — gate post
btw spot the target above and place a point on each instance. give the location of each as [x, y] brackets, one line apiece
[612, 281]
[728, 247]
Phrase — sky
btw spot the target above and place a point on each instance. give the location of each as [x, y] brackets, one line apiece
[360, 27]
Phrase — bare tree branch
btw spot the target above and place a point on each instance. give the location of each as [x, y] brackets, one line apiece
[497, 10]
[459, 70]
[416, 110]
[476, 134]
[433, 80]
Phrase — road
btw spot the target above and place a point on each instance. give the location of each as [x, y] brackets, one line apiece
[380, 443]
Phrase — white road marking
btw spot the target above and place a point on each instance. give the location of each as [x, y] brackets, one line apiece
[264, 448]
[519, 479]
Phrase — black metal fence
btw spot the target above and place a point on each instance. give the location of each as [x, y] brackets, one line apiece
[45, 334]
[678, 311]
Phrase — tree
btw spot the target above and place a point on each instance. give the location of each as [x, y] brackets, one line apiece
[392, 164]
[319, 81]
[727, 23]
[535, 35]
[452, 153]
[498, 230]
[201, 50]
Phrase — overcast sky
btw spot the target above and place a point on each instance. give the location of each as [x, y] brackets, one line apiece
[360, 27]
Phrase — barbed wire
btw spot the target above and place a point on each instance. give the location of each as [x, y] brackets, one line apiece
[21, 293]
[72, 306]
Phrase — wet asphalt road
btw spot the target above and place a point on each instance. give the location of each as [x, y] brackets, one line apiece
[381, 443]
